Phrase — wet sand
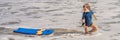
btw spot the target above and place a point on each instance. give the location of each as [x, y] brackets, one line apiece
[62, 15]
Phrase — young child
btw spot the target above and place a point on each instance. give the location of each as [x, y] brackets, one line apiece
[87, 19]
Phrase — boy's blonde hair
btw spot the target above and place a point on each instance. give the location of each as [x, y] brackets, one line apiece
[87, 6]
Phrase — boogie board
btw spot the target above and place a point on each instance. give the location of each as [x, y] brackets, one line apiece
[33, 31]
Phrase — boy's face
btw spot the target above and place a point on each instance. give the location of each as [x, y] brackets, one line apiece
[85, 8]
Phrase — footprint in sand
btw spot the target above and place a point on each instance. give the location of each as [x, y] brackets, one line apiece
[58, 15]
[72, 12]
[10, 23]
[118, 16]
[13, 12]
[53, 10]
[28, 8]
[36, 17]
[114, 39]
[112, 8]
[101, 12]
[11, 38]
[116, 3]
[31, 13]
[115, 36]
[105, 27]
[5, 5]
[117, 11]
[113, 22]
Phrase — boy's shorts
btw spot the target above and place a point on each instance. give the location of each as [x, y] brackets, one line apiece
[88, 24]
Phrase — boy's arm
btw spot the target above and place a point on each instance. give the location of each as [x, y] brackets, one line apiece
[95, 17]
[83, 21]
[83, 18]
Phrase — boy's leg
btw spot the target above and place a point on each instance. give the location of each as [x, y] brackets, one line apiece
[94, 28]
[86, 30]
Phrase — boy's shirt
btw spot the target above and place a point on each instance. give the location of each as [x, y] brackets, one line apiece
[87, 16]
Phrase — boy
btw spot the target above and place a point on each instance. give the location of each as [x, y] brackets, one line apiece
[87, 19]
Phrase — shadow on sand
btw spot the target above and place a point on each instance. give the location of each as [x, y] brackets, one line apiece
[58, 32]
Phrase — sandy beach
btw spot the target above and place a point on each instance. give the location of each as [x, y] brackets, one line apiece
[62, 15]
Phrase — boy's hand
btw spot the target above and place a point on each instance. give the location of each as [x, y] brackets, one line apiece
[83, 24]
[83, 21]
[42, 29]
[96, 19]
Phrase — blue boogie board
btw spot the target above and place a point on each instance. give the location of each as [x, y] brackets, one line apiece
[33, 31]
[48, 31]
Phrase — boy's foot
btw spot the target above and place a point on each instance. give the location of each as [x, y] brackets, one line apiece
[86, 33]
[93, 30]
